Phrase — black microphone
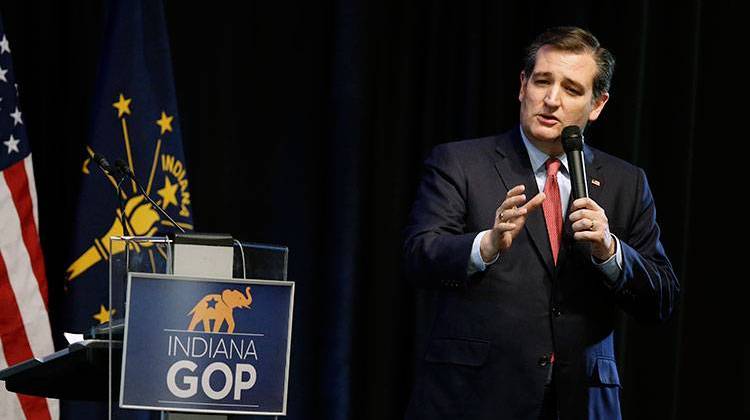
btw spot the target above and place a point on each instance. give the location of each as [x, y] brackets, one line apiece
[125, 170]
[572, 142]
[104, 165]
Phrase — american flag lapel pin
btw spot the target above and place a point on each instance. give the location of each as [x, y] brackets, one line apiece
[596, 182]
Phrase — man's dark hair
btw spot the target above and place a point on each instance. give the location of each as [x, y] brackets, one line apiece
[576, 40]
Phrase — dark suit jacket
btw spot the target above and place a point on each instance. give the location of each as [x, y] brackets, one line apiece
[485, 358]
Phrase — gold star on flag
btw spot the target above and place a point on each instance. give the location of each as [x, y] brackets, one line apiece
[165, 122]
[103, 315]
[168, 193]
[122, 105]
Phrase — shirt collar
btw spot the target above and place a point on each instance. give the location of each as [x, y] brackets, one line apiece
[539, 158]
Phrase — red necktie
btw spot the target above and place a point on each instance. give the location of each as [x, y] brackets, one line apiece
[552, 207]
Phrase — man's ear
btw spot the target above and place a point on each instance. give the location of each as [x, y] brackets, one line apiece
[598, 106]
[522, 91]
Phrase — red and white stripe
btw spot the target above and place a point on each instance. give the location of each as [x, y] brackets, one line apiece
[24, 324]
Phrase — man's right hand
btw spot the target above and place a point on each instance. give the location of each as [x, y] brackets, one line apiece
[509, 220]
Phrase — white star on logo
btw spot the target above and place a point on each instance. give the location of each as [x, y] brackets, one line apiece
[2, 75]
[12, 144]
[4, 47]
[16, 117]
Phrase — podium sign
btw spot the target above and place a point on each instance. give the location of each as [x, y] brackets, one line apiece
[206, 345]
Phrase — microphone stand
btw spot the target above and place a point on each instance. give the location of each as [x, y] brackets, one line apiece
[125, 228]
[125, 170]
[108, 170]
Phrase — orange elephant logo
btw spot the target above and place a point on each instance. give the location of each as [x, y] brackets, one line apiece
[219, 308]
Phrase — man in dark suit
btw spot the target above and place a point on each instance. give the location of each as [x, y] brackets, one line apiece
[530, 282]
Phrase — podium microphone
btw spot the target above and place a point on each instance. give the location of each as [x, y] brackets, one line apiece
[572, 142]
[108, 170]
[104, 165]
[125, 170]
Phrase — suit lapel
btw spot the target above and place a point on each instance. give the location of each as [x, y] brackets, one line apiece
[513, 166]
[593, 175]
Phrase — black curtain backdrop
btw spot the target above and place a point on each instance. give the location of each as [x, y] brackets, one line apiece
[306, 124]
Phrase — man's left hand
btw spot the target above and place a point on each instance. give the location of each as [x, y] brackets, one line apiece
[590, 224]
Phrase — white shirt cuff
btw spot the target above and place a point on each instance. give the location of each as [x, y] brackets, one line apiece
[613, 266]
[476, 263]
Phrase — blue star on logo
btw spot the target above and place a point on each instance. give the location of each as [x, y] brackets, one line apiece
[211, 303]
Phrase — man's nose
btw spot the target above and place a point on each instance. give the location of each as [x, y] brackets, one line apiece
[552, 98]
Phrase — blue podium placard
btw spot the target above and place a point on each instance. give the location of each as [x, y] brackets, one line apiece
[206, 345]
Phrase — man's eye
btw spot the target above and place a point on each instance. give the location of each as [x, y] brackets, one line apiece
[574, 91]
[542, 82]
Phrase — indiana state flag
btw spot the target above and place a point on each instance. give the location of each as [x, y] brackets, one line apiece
[135, 120]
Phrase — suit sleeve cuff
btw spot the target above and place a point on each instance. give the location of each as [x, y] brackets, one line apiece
[476, 263]
[612, 268]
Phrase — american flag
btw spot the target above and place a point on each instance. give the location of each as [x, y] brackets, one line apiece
[24, 324]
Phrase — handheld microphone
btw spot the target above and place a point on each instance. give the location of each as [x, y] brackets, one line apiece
[124, 169]
[572, 142]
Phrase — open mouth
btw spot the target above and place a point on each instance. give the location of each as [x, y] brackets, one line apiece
[547, 119]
